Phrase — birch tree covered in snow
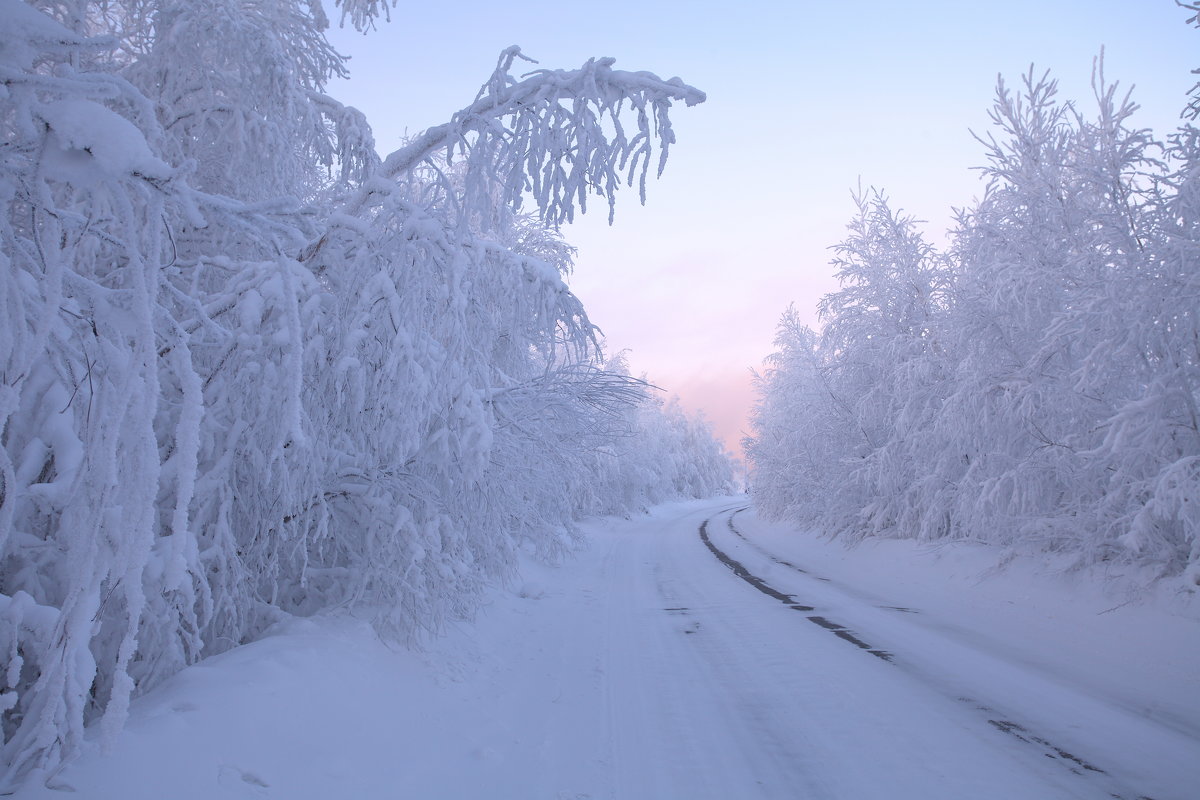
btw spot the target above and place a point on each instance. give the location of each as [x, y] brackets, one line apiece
[249, 369]
[1037, 385]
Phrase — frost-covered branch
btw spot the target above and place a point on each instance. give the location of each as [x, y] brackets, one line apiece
[557, 134]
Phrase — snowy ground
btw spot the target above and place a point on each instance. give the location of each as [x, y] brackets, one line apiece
[648, 668]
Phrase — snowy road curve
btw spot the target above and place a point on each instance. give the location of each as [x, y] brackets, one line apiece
[1036, 699]
[718, 688]
[683, 655]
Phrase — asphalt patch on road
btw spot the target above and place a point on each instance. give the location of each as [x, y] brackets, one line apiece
[1022, 733]
[739, 569]
[772, 556]
[843, 632]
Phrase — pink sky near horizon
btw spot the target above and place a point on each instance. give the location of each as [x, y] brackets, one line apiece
[806, 98]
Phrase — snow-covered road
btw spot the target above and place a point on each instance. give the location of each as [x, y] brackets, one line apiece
[663, 663]
[720, 683]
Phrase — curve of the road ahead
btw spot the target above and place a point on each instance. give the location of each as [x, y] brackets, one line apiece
[694, 653]
[771, 681]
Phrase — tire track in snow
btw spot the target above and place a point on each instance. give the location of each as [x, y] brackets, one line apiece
[740, 570]
[1065, 758]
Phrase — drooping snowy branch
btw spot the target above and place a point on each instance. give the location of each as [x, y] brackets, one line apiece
[556, 134]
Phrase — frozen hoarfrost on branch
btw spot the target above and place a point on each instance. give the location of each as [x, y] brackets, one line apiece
[553, 135]
[556, 134]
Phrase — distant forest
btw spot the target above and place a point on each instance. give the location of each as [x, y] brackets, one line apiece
[1036, 384]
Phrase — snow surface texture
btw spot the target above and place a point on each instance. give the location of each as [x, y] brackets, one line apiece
[645, 669]
[250, 370]
[1037, 385]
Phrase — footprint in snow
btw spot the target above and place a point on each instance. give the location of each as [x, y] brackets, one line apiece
[228, 775]
[488, 754]
[531, 591]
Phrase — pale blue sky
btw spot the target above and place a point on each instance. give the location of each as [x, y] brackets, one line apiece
[804, 98]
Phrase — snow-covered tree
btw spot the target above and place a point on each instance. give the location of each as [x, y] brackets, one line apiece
[840, 410]
[797, 435]
[1146, 467]
[1038, 386]
[248, 368]
[881, 347]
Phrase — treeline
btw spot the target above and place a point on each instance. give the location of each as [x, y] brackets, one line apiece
[1037, 382]
[249, 369]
